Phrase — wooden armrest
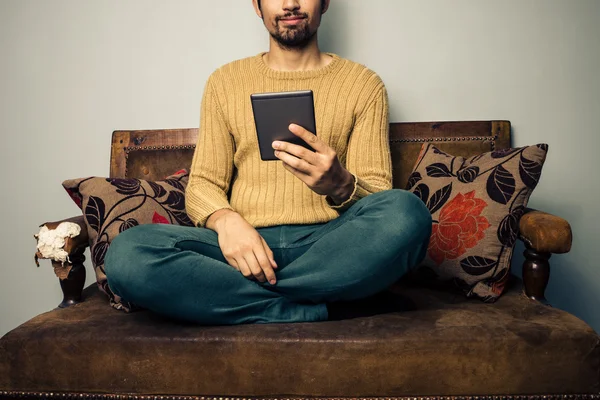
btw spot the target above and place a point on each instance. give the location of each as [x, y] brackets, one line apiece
[72, 272]
[545, 233]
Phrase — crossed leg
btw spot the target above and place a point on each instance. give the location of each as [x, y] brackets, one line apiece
[181, 272]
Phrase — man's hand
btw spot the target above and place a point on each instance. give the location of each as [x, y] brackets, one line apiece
[320, 170]
[243, 247]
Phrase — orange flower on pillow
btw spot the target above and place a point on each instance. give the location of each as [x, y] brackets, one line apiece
[460, 227]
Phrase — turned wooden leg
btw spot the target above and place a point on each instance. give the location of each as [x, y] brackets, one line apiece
[73, 285]
[536, 273]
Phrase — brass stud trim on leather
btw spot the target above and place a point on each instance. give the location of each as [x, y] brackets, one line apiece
[446, 139]
[90, 396]
[130, 149]
[491, 139]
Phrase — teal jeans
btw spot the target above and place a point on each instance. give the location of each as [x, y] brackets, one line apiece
[180, 271]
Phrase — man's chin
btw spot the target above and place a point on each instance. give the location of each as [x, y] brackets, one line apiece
[293, 44]
[295, 38]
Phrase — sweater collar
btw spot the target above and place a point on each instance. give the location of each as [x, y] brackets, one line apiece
[313, 73]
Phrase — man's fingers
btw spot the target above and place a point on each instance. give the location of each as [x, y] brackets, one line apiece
[233, 263]
[299, 174]
[244, 269]
[265, 265]
[255, 267]
[297, 151]
[269, 252]
[297, 163]
[310, 138]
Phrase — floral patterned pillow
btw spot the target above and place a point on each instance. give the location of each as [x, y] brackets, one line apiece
[476, 205]
[112, 205]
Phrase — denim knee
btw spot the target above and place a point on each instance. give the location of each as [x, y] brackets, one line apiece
[121, 255]
[405, 212]
[407, 224]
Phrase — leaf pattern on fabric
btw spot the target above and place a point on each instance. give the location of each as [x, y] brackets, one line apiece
[175, 183]
[501, 185]
[468, 175]
[98, 252]
[422, 192]
[129, 223]
[125, 186]
[413, 179]
[438, 170]
[175, 200]
[158, 190]
[529, 171]
[182, 218]
[508, 229]
[476, 265]
[94, 212]
[439, 198]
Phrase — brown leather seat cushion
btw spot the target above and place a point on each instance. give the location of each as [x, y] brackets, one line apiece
[448, 346]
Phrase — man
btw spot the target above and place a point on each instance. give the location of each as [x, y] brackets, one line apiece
[280, 241]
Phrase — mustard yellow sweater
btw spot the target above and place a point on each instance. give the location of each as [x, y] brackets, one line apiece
[351, 112]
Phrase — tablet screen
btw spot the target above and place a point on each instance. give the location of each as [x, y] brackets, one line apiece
[274, 112]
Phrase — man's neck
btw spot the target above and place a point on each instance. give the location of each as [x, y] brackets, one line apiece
[305, 59]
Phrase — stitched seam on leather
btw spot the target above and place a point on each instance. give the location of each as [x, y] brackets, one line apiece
[90, 395]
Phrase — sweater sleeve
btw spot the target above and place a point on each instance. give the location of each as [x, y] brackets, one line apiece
[212, 163]
[368, 156]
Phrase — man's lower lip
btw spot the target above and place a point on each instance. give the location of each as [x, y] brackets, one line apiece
[292, 21]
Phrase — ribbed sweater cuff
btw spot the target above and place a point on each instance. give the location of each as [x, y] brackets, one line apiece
[201, 223]
[200, 210]
[358, 193]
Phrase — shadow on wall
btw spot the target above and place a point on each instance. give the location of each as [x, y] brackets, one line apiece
[333, 29]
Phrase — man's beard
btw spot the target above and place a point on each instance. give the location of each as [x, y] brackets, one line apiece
[294, 37]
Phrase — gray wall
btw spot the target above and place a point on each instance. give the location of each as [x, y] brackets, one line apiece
[73, 71]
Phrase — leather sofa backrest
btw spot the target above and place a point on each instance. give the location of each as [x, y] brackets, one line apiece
[155, 154]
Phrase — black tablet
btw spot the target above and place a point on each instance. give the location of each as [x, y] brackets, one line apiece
[273, 114]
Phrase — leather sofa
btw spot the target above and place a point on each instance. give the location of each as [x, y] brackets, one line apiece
[439, 345]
